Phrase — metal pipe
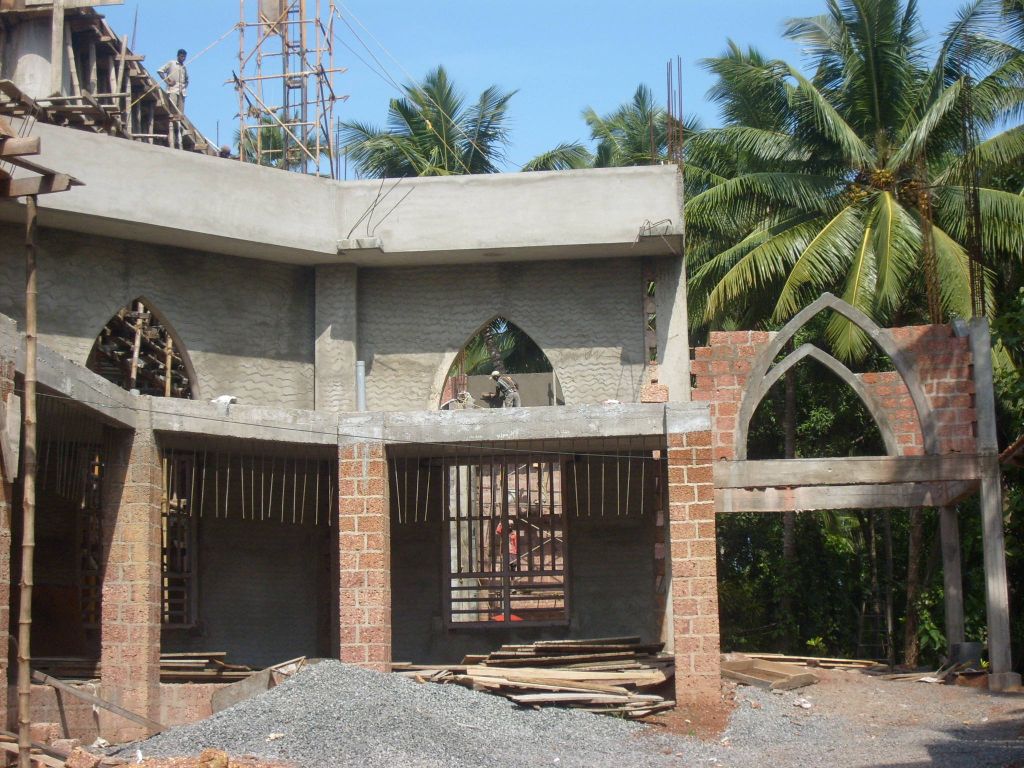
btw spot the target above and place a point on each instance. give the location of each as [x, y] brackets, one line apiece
[360, 385]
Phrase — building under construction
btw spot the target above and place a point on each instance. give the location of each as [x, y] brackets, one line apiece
[243, 456]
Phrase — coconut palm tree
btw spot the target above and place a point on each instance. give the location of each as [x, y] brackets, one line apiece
[831, 174]
[433, 131]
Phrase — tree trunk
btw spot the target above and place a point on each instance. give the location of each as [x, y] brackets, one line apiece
[911, 647]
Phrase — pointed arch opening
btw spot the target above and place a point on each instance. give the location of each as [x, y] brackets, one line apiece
[138, 349]
[500, 345]
[829, 416]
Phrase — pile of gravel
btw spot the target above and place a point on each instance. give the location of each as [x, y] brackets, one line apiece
[331, 714]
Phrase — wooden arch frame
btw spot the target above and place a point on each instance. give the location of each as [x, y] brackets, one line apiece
[762, 364]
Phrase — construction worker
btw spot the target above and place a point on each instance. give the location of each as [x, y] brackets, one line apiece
[175, 74]
[505, 389]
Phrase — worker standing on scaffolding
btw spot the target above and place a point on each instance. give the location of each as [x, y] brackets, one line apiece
[175, 74]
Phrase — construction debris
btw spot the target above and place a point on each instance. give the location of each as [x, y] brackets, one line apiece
[599, 675]
[772, 675]
[190, 667]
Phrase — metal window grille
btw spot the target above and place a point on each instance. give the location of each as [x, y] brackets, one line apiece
[506, 540]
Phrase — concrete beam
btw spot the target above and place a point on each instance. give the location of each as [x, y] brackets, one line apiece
[807, 498]
[107, 401]
[855, 470]
[234, 208]
[243, 422]
[949, 533]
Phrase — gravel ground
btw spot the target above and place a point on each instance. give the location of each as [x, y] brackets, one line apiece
[334, 715]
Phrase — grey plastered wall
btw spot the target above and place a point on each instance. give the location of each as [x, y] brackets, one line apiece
[585, 315]
[336, 336]
[247, 325]
[261, 591]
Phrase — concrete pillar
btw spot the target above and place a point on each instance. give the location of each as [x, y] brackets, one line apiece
[693, 546]
[130, 612]
[997, 601]
[673, 331]
[336, 337]
[949, 534]
[364, 546]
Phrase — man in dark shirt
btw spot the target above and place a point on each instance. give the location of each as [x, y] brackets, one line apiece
[506, 390]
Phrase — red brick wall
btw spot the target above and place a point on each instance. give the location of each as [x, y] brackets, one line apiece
[130, 616]
[942, 362]
[6, 509]
[364, 545]
[182, 703]
[722, 370]
[694, 573]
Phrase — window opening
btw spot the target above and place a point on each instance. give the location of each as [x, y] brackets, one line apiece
[136, 351]
[506, 541]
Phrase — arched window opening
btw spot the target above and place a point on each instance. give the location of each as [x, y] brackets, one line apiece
[137, 350]
[829, 419]
[501, 346]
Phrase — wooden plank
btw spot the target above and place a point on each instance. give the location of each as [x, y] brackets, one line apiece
[883, 496]
[44, 679]
[854, 470]
[37, 756]
[17, 147]
[766, 674]
[38, 185]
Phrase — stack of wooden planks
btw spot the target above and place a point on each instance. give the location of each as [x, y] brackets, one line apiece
[611, 674]
[201, 667]
[814, 661]
[772, 675]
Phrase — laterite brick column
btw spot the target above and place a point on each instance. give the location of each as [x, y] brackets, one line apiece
[6, 510]
[130, 613]
[691, 508]
[364, 543]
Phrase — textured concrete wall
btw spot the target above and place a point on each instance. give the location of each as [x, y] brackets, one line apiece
[247, 325]
[585, 315]
[336, 337]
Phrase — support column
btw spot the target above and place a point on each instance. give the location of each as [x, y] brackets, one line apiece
[694, 571]
[949, 534]
[673, 333]
[130, 612]
[6, 510]
[336, 337]
[364, 545]
[997, 599]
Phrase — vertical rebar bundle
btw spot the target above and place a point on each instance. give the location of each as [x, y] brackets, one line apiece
[285, 84]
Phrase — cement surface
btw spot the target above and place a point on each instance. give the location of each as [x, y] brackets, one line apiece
[194, 201]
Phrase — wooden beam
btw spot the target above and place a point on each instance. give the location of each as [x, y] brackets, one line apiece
[36, 185]
[57, 48]
[806, 498]
[18, 147]
[855, 470]
[96, 701]
[68, 4]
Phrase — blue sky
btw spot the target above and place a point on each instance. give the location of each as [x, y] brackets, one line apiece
[561, 55]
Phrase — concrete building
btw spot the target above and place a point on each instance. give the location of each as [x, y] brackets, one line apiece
[287, 523]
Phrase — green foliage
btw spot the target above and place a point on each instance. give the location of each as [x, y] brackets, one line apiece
[821, 179]
[433, 131]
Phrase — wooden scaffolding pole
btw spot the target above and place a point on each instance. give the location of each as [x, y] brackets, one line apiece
[28, 504]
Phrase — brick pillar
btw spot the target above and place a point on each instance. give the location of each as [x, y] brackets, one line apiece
[6, 510]
[130, 612]
[364, 545]
[691, 509]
